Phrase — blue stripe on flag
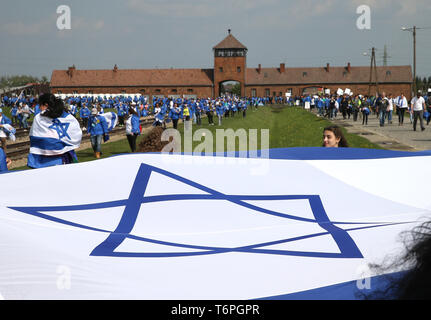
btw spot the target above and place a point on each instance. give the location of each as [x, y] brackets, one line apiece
[47, 143]
[345, 291]
[39, 161]
[318, 153]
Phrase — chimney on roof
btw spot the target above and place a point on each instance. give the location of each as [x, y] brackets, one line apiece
[348, 67]
[115, 68]
[259, 68]
[70, 70]
[327, 67]
[282, 67]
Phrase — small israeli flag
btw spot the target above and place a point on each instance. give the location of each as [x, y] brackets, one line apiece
[54, 136]
[111, 119]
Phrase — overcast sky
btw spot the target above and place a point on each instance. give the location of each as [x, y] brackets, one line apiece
[181, 33]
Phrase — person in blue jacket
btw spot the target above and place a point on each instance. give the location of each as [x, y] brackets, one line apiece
[122, 112]
[97, 129]
[3, 136]
[220, 112]
[84, 114]
[4, 161]
[175, 114]
[132, 128]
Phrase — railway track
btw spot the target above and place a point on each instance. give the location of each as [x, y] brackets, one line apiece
[19, 150]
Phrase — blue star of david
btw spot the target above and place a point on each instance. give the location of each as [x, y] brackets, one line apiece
[346, 245]
[61, 128]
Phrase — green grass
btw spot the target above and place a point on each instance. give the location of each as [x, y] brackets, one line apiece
[288, 127]
[108, 149]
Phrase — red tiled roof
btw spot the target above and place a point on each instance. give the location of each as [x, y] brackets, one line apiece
[204, 77]
[272, 76]
[132, 77]
[230, 42]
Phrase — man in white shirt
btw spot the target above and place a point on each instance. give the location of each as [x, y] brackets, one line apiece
[25, 115]
[418, 107]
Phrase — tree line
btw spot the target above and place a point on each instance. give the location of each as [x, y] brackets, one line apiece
[20, 80]
[423, 83]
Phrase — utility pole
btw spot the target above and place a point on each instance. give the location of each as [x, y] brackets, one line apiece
[373, 65]
[413, 30]
[414, 59]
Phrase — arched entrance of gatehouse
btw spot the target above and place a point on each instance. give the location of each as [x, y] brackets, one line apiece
[230, 88]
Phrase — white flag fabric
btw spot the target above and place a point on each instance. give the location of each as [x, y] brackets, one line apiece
[9, 131]
[111, 120]
[54, 136]
[167, 227]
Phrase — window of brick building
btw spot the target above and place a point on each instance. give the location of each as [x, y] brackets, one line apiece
[238, 69]
[174, 90]
[220, 69]
[189, 90]
[253, 92]
[267, 92]
[157, 90]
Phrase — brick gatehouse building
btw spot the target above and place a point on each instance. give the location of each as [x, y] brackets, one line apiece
[230, 64]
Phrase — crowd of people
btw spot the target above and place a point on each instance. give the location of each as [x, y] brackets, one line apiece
[360, 107]
[98, 115]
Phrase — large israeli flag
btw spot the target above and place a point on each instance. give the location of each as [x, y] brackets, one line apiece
[54, 136]
[304, 223]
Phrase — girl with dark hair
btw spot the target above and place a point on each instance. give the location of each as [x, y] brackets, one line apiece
[415, 282]
[54, 134]
[333, 137]
[365, 109]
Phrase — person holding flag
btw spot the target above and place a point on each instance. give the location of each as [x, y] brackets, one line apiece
[54, 135]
